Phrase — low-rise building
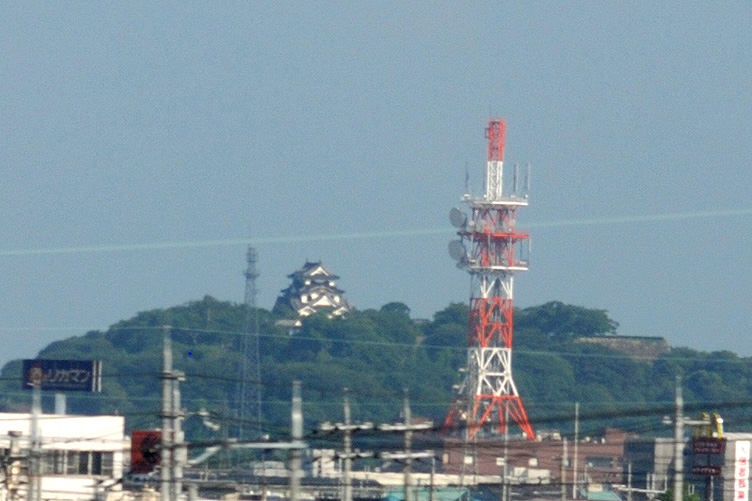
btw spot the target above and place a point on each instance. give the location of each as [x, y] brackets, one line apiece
[598, 465]
[81, 456]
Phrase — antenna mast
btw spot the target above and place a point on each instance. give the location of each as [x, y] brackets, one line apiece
[491, 251]
[249, 386]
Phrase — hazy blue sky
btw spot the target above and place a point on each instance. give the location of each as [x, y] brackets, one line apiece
[342, 131]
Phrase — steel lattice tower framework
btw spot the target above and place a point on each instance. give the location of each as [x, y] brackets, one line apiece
[249, 386]
[490, 250]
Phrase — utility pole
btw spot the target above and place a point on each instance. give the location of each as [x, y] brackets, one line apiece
[180, 454]
[296, 436]
[347, 455]
[347, 496]
[35, 452]
[629, 481]
[408, 470]
[166, 415]
[407, 455]
[564, 469]
[174, 452]
[679, 442]
[432, 496]
[576, 452]
[12, 464]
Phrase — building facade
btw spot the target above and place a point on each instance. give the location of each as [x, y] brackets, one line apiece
[81, 456]
[592, 465]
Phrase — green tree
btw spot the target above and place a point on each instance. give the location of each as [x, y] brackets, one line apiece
[376, 353]
[564, 321]
[396, 307]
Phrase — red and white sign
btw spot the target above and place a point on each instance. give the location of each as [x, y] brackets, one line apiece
[741, 471]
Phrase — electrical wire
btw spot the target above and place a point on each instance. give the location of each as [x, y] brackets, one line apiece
[258, 241]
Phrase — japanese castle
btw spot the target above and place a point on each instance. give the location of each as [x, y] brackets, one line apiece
[313, 289]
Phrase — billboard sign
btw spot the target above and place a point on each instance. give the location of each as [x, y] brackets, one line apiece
[741, 471]
[708, 445]
[63, 375]
[706, 470]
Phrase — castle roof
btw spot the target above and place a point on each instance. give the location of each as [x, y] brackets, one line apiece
[312, 269]
[313, 289]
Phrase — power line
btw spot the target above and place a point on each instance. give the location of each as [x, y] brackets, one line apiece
[89, 249]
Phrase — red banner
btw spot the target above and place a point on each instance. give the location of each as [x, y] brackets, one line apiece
[145, 450]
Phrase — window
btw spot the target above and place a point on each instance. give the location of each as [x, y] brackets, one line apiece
[83, 463]
[108, 462]
[600, 461]
[96, 463]
[79, 463]
[53, 462]
[71, 462]
[48, 462]
[59, 462]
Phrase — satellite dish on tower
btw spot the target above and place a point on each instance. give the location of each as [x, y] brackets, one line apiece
[457, 250]
[457, 217]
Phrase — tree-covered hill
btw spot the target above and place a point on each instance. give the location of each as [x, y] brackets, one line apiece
[378, 353]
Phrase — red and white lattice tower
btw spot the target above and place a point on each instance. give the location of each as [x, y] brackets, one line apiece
[491, 251]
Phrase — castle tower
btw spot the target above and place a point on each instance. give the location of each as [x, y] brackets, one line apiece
[491, 251]
[313, 289]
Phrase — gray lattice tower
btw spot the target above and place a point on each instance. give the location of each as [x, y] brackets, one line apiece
[249, 386]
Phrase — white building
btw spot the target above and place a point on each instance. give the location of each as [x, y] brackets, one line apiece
[82, 456]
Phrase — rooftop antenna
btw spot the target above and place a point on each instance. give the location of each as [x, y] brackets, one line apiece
[527, 179]
[467, 180]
